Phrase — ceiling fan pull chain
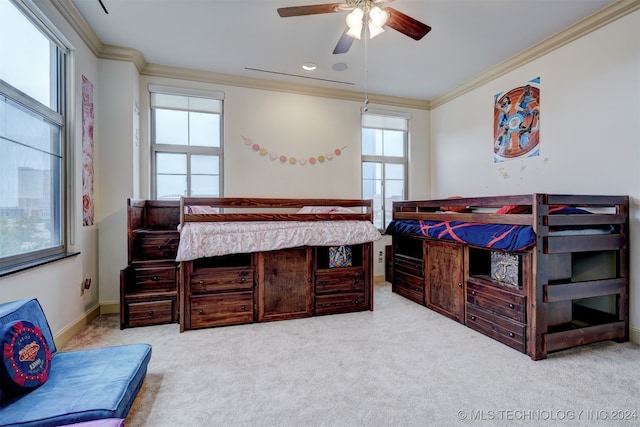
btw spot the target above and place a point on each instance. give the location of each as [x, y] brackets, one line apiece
[366, 70]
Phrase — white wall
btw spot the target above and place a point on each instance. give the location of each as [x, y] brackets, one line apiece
[57, 285]
[295, 125]
[116, 170]
[589, 130]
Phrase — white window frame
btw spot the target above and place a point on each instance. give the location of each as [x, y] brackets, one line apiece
[185, 149]
[385, 120]
[57, 117]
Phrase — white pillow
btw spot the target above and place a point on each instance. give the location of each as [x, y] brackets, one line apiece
[325, 209]
[201, 210]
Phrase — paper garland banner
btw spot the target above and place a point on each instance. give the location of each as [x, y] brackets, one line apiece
[291, 159]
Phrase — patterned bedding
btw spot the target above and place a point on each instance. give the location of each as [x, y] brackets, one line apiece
[511, 238]
[207, 239]
[495, 236]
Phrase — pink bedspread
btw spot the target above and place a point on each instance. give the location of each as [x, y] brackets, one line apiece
[207, 239]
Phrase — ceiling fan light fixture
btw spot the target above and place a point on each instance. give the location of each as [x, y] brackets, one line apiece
[375, 31]
[309, 66]
[354, 22]
[355, 32]
[378, 17]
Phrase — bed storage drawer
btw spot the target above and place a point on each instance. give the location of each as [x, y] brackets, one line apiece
[228, 308]
[150, 276]
[497, 327]
[221, 279]
[496, 300]
[340, 280]
[409, 265]
[151, 312]
[155, 244]
[409, 286]
[340, 303]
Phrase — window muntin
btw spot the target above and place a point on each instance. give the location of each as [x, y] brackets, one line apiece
[186, 145]
[32, 140]
[384, 163]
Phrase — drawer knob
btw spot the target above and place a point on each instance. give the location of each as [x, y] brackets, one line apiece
[324, 305]
[356, 279]
[473, 317]
[511, 334]
[201, 311]
[323, 283]
[159, 246]
[243, 279]
[511, 305]
[154, 278]
[201, 282]
[473, 292]
[243, 307]
[460, 284]
[356, 301]
[150, 313]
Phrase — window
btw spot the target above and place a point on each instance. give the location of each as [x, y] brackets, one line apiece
[186, 144]
[384, 163]
[32, 139]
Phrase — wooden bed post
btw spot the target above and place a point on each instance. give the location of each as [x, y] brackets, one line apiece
[539, 325]
[623, 272]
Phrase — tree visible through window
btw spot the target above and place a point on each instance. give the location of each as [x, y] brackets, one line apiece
[384, 163]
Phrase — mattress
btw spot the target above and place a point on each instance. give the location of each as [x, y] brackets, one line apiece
[207, 239]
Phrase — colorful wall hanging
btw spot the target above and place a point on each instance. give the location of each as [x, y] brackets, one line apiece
[87, 152]
[283, 158]
[516, 118]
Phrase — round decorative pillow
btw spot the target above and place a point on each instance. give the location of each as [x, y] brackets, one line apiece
[26, 358]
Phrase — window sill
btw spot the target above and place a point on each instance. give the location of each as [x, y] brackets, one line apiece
[35, 263]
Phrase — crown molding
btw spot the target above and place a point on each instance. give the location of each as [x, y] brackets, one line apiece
[591, 23]
[75, 19]
[599, 19]
[157, 70]
[119, 53]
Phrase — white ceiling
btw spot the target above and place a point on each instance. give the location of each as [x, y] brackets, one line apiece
[233, 36]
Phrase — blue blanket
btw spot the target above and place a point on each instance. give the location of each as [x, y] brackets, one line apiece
[495, 236]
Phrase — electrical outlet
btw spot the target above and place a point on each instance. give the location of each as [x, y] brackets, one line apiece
[380, 257]
[85, 285]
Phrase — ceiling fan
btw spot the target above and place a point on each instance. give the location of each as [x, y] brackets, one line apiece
[371, 12]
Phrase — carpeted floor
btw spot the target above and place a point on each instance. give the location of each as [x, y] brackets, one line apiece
[400, 365]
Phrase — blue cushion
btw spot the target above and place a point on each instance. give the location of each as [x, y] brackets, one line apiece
[83, 385]
[26, 359]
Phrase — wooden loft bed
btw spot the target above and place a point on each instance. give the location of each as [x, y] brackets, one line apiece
[246, 260]
[565, 282]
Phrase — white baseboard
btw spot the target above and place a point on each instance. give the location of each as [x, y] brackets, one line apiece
[378, 279]
[110, 308]
[634, 335]
[76, 326]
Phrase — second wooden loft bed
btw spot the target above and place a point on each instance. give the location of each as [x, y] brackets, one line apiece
[566, 257]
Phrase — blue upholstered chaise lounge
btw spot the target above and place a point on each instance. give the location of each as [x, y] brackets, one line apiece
[83, 385]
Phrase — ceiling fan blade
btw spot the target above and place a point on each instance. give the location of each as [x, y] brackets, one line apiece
[406, 24]
[344, 43]
[313, 9]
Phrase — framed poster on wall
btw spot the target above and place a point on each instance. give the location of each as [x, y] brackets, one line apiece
[516, 118]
